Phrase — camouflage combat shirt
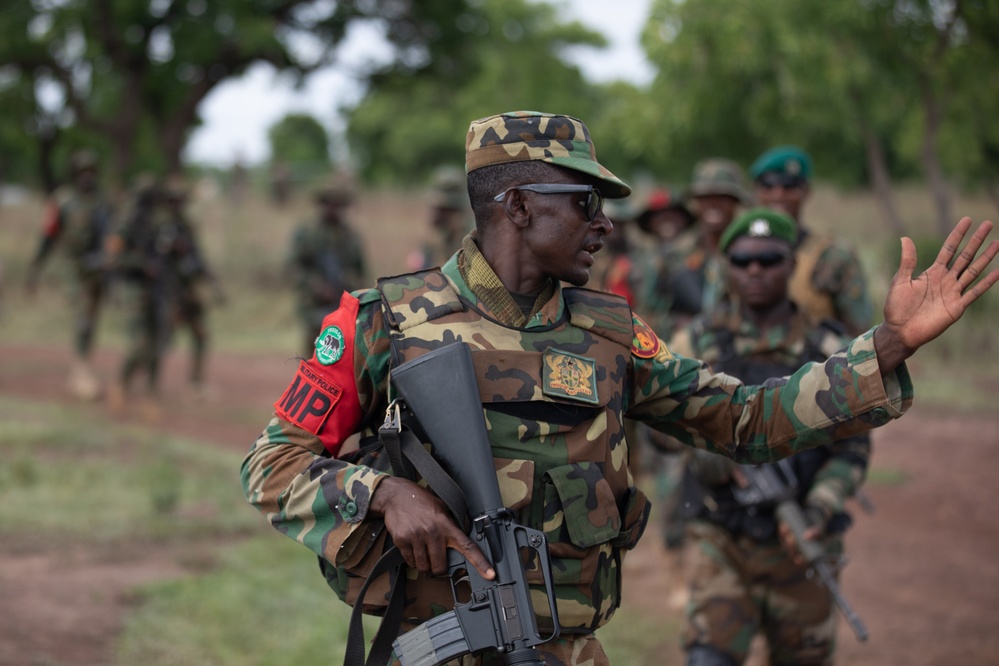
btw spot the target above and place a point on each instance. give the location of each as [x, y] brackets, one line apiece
[726, 334]
[293, 476]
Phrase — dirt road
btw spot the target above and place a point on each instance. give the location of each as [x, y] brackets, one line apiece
[923, 572]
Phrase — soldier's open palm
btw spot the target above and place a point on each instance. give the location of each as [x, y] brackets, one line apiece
[919, 309]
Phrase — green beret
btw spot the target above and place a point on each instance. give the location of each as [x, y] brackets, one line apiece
[522, 136]
[760, 223]
[789, 160]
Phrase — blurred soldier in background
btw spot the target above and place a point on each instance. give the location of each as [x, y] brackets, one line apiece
[280, 183]
[743, 579]
[829, 281]
[450, 220]
[696, 269]
[616, 268]
[78, 219]
[188, 277]
[692, 281]
[146, 241]
[327, 258]
[664, 217]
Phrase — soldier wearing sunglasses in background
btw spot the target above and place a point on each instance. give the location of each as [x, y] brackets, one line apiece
[742, 579]
[829, 282]
[558, 369]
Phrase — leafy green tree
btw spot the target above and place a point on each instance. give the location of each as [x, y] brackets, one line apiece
[299, 138]
[132, 73]
[496, 55]
[875, 89]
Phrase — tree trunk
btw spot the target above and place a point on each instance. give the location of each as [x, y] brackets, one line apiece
[931, 160]
[880, 179]
[47, 139]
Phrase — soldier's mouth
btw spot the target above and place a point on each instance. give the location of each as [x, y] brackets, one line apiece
[593, 248]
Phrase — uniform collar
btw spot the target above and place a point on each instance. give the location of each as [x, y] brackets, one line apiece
[476, 281]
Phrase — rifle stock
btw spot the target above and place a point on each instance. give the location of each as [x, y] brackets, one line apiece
[440, 389]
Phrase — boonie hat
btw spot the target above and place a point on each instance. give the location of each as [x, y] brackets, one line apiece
[522, 136]
[760, 223]
[660, 199]
[718, 176]
[789, 160]
[449, 188]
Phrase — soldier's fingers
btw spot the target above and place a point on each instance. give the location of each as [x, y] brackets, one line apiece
[472, 554]
[967, 255]
[980, 288]
[978, 266]
[953, 242]
[907, 264]
[421, 561]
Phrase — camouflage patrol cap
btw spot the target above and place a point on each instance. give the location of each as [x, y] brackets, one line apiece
[522, 136]
[760, 223]
[789, 160]
[718, 176]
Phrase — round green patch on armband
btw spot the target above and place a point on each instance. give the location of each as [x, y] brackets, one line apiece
[329, 345]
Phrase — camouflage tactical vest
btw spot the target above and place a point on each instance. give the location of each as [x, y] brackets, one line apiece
[85, 221]
[552, 399]
[818, 304]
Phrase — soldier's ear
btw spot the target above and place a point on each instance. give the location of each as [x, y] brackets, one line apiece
[516, 207]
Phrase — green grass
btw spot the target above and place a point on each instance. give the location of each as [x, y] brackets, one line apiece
[265, 603]
[78, 477]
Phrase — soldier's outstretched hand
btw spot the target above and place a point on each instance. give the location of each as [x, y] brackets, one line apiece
[919, 309]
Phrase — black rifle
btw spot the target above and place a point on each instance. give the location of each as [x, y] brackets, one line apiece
[439, 388]
[775, 485]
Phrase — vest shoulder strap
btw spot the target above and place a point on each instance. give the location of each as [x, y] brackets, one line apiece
[412, 299]
[603, 314]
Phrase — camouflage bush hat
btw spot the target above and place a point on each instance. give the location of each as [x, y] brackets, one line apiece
[760, 223]
[522, 136]
[340, 189]
[789, 160]
[718, 176]
[450, 189]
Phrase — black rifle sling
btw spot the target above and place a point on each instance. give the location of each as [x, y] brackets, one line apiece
[381, 647]
[406, 452]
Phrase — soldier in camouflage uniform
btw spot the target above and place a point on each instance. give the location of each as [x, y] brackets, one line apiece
[743, 581]
[450, 220]
[144, 241]
[829, 281]
[562, 461]
[188, 277]
[695, 270]
[326, 259]
[78, 220]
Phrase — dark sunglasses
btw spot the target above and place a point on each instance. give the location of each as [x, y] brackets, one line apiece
[772, 179]
[594, 200]
[764, 259]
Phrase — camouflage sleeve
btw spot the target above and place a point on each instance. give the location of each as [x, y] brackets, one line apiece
[818, 404]
[838, 272]
[840, 477]
[291, 473]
